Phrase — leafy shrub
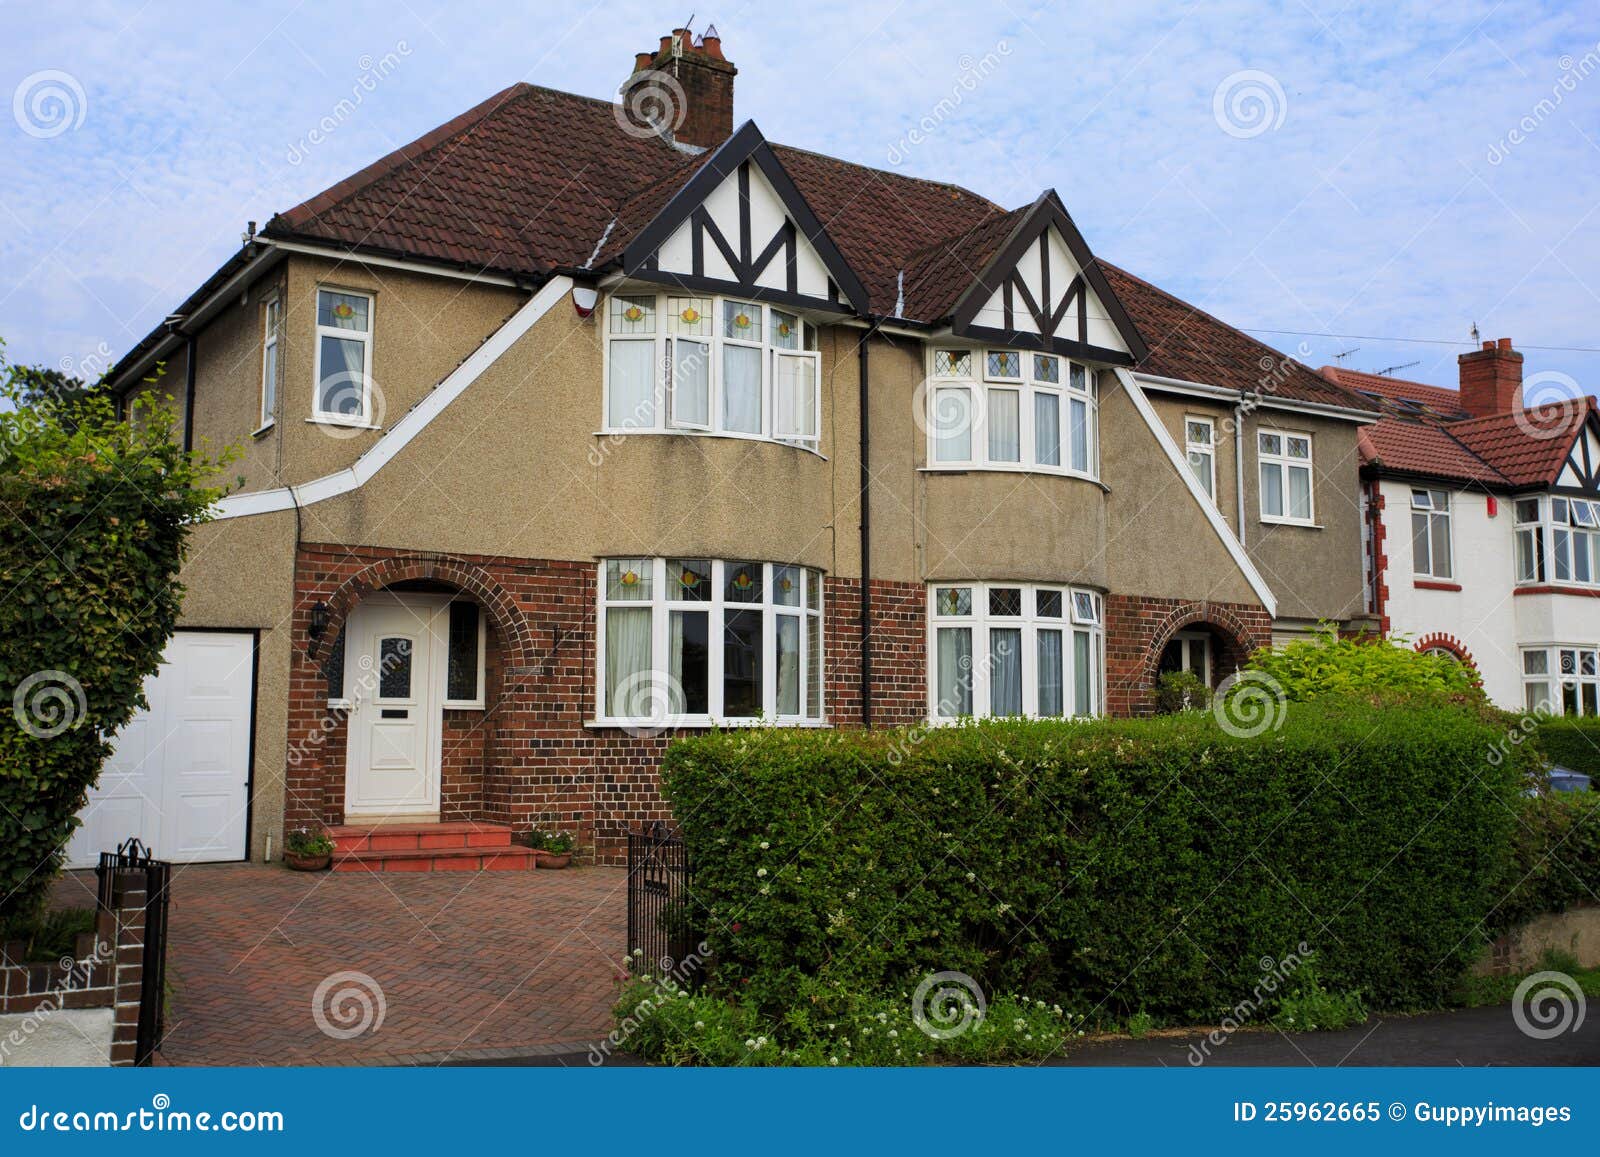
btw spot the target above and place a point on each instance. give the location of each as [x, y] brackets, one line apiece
[1116, 866]
[1181, 691]
[1328, 664]
[1307, 1006]
[305, 842]
[48, 936]
[1572, 741]
[1555, 858]
[93, 597]
[827, 1025]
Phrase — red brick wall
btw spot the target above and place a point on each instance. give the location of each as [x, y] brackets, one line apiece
[898, 641]
[1138, 627]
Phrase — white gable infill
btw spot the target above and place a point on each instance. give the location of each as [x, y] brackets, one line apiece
[1581, 471]
[739, 226]
[1043, 290]
[417, 419]
[1176, 458]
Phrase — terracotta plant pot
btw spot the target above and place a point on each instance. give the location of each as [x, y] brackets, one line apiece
[546, 859]
[307, 863]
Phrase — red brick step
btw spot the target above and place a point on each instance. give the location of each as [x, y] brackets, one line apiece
[455, 846]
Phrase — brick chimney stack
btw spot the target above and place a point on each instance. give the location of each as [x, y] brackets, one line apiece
[1491, 379]
[684, 89]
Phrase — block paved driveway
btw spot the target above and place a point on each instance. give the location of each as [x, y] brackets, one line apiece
[464, 966]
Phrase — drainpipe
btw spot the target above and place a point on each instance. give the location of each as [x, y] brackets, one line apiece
[866, 526]
[1238, 463]
[188, 393]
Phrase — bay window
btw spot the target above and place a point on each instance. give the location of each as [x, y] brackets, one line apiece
[711, 365]
[698, 641]
[1285, 461]
[1430, 533]
[1014, 649]
[1561, 680]
[1007, 409]
[1558, 540]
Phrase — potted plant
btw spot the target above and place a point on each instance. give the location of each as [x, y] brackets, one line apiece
[307, 851]
[554, 849]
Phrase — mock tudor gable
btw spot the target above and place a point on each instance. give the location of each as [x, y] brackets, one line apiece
[739, 226]
[1581, 471]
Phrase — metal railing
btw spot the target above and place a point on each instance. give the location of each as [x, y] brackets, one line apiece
[133, 856]
[664, 938]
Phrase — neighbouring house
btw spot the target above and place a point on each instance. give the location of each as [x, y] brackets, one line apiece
[1483, 523]
[565, 431]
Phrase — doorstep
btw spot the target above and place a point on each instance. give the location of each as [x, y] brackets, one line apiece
[455, 846]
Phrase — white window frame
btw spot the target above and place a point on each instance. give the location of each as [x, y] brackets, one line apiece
[1206, 449]
[1536, 534]
[483, 636]
[1566, 532]
[1432, 505]
[271, 331]
[665, 339]
[318, 414]
[980, 621]
[661, 607]
[978, 384]
[1583, 681]
[1283, 462]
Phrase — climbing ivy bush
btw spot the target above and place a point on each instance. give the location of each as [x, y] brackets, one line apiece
[94, 515]
[1116, 866]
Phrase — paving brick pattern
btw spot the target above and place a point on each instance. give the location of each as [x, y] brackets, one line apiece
[468, 964]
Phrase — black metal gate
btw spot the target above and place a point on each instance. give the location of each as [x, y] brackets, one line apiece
[132, 856]
[663, 919]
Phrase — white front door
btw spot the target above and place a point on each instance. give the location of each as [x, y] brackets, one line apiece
[178, 776]
[394, 687]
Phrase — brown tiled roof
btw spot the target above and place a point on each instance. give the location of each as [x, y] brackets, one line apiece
[1424, 430]
[1191, 345]
[533, 180]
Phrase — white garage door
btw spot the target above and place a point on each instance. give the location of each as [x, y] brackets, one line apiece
[179, 776]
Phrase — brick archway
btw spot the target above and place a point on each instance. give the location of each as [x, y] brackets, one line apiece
[501, 608]
[1138, 628]
[1236, 637]
[1441, 641]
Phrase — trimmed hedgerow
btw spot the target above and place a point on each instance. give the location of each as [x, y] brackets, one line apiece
[1572, 741]
[1115, 866]
[1555, 858]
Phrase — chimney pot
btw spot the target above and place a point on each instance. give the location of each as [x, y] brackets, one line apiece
[666, 45]
[642, 61]
[712, 45]
[1505, 343]
[700, 92]
[1488, 345]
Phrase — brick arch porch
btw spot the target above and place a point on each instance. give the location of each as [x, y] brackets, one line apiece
[1139, 627]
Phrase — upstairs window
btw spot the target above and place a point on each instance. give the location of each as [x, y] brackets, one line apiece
[1285, 476]
[271, 318]
[343, 357]
[1575, 541]
[1530, 540]
[1430, 533]
[1199, 436]
[711, 365]
[1011, 410]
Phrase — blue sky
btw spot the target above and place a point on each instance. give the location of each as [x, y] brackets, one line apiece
[1366, 182]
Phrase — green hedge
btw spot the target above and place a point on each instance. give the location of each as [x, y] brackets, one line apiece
[1555, 858]
[1572, 741]
[1119, 866]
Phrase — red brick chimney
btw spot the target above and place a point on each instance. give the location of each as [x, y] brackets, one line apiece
[687, 91]
[1491, 379]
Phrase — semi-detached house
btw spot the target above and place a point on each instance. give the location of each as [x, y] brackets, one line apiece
[565, 432]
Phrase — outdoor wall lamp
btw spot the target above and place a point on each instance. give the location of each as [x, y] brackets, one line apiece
[319, 620]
